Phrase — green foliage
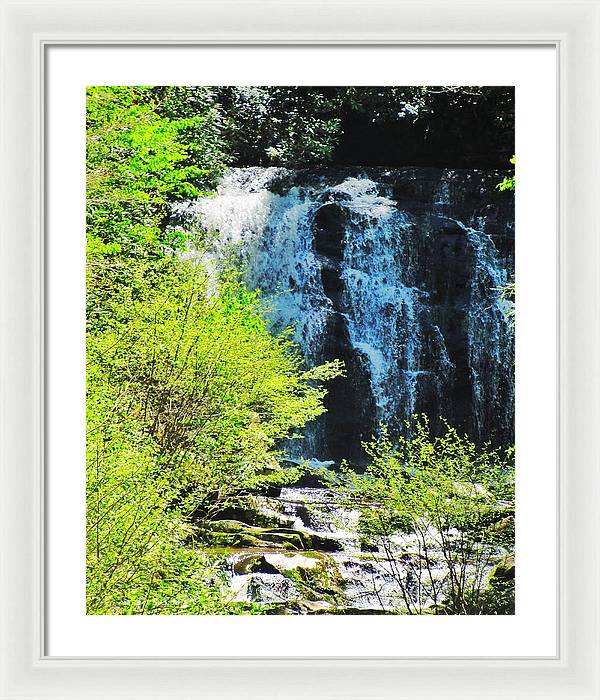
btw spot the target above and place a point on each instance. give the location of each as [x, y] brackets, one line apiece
[135, 561]
[139, 160]
[142, 154]
[140, 559]
[283, 126]
[446, 494]
[508, 183]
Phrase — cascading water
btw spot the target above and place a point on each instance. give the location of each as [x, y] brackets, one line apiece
[396, 272]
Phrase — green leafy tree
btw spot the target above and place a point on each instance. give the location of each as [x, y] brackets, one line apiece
[137, 163]
[140, 160]
[136, 561]
[284, 126]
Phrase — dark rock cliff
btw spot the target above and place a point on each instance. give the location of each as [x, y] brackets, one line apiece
[397, 272]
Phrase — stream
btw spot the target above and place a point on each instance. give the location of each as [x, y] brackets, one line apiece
[338, 573]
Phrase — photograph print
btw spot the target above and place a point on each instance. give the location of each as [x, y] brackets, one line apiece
[300, 360]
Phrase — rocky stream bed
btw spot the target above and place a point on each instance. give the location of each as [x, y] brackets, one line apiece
[300, 552]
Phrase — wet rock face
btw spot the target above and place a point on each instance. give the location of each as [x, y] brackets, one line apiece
[329, 229]
[442, 267]
[395, 272]
[343, 431]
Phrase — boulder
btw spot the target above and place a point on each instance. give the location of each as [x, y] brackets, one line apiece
[367, 546]
[504, 569]
[292, 539]
[324, 543]
[254, 563]
[256, 512]
[307, 583]
[234, 533]
[240, 539]
[503, 524]
[275, 562]
[269, 588]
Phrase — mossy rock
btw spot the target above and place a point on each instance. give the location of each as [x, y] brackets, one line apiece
[314, 575]
[257, 511]
[277, 562]
[504, 569]
[504, 524]
[368, 546]
[253, 563]
[321, 579]
[237, 533]
[325, 544]
[310, 540]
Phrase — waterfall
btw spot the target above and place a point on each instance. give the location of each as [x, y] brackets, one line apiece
[396, 272]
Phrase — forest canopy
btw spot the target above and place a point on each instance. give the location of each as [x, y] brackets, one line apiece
[389, 126]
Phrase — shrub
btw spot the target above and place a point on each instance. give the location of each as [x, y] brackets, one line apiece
[445, 497]
[135, 560]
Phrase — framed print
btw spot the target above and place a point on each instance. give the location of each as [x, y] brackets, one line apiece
[300, 339]
[390, 285]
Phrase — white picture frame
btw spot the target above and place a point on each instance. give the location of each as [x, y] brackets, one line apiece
[28, 29]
